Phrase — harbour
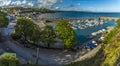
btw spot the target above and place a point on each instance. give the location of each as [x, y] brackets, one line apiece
[85, 24]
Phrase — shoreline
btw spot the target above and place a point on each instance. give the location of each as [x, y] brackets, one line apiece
[101, 18]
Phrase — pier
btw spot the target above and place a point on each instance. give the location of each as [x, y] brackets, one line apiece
[109, 18]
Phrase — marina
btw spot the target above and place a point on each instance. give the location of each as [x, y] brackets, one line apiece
[89, 31]
[85, 24]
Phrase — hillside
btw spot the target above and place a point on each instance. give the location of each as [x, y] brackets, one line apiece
[109, 54]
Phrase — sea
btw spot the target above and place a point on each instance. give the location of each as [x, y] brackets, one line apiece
[82, 35]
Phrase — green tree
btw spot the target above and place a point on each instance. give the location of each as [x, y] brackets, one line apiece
[3, 19]
[66, 34]
[48, 35]
[7, 60]
[36, 34]
[24, 28]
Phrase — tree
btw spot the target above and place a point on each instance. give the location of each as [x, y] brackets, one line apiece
[7, 60]
[3, 20]
[36, 34]
[66, 34]
[24, 28]
[48, 35]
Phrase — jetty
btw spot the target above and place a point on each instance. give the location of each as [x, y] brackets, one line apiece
[108, 18]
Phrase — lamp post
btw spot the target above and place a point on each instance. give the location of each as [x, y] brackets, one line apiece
[37, 56]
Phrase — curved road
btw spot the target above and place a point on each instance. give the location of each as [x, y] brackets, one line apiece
[18, 50]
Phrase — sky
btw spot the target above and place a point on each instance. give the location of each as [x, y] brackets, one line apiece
[68, 5]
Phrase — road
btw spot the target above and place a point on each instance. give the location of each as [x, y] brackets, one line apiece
[88, 55]
[18, 50]
[46, 57]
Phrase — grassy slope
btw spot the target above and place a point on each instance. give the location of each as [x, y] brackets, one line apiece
[112, 51]
[109, 55]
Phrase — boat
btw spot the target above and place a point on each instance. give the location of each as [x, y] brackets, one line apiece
[101, 23]
[94, 34]
[74, 28]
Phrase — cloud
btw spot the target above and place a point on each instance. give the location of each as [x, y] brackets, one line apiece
[48, 3]
[57, 8]
[28, 3]
[17, 3]
[5, 2]
[23, 3]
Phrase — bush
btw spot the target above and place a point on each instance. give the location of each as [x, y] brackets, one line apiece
[109, 37]
[7, 60]
[118, 23]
